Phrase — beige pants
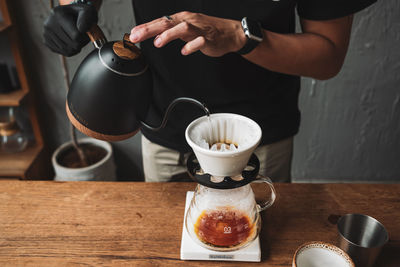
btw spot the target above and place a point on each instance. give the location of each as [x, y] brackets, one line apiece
[162, 164]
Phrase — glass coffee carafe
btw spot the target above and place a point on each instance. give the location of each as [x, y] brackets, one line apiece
[225, 220]
[223, 214]
[12, 138]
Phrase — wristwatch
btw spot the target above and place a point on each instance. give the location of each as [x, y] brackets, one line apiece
[253, 31]
[87, 2]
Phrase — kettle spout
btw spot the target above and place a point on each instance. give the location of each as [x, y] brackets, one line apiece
[171, 106]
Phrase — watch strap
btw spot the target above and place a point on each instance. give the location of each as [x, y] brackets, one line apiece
[253, 32]
[248, 47]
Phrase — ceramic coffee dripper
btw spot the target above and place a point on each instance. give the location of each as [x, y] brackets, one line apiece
[223, 214]
[223, 128]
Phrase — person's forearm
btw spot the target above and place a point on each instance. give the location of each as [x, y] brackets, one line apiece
[318, 52]
[303, 54]
[97, 3]
[306, 54]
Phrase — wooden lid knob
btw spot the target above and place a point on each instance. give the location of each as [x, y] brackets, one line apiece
[126, 49]
[124, 52]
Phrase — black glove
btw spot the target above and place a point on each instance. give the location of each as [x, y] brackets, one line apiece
[65, 29]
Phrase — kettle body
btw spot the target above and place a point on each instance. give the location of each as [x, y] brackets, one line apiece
[110, 92]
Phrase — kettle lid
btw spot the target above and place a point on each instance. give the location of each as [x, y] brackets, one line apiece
[126, 49]
[123, 57]
[248, 175]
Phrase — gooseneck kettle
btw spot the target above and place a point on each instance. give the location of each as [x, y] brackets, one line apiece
[111, 91]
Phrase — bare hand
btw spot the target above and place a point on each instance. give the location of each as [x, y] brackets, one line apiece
[211, 35]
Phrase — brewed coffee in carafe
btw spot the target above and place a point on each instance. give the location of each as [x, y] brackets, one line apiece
[226, 227]
[223, 219]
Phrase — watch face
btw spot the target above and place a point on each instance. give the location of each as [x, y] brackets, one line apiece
[252, 29]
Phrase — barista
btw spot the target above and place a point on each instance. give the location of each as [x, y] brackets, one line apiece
[200, 49]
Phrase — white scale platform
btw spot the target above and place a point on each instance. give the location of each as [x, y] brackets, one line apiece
[192, 251]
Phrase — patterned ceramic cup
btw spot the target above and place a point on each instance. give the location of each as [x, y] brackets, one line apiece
[317, 254]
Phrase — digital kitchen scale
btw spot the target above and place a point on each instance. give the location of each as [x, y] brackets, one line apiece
[192, 251]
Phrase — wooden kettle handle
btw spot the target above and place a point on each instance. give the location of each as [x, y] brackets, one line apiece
[97, 36]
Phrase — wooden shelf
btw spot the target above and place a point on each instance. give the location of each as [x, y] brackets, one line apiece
[4, 26]
[17, 164]
[12, 98]
[6, 21]
[33, 163]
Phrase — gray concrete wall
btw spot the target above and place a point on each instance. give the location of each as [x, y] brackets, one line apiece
[350, 127]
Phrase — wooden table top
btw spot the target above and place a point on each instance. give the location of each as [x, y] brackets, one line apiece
[45, 223]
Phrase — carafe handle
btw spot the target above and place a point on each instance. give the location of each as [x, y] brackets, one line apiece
[268, 202]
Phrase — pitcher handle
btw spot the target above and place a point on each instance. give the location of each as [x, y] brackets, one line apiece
[270, 201]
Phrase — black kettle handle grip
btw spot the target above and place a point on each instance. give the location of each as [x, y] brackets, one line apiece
[97, 36]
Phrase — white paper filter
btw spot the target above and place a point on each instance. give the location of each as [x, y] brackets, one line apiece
[223, 128]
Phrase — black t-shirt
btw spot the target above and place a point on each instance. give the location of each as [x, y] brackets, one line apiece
[229, 83]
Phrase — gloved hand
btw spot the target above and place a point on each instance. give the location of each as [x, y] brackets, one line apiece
[65, 29]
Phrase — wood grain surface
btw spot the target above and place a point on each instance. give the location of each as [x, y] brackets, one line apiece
[13, 98]
[45, 223]
[17, 164]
